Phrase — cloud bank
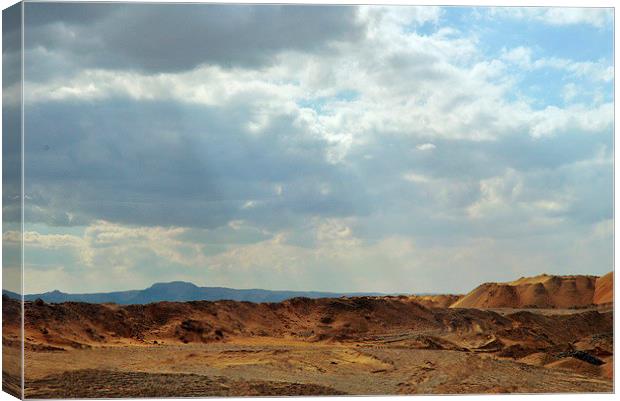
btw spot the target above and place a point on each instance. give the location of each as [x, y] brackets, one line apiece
[388, 148]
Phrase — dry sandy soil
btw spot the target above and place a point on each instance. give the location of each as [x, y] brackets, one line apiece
[365, 345]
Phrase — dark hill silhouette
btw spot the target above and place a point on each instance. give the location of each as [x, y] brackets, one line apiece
[179, 291]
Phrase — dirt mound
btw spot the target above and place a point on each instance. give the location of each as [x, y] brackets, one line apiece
[582, 356]
[575, 365]
[79, 325]
[436, 301]
[542, 291]
[604, 289]
[493, 345]
[425, 341]
[11, 311]
[600, 345]
[471, 321]
[555, 329]
[538, 359]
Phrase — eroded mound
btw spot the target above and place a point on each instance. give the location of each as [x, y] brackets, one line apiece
[575, 365]
[604, 292]
[544, 291]
[387, 319]
[78, 325]
[436, 301]
[538, 359]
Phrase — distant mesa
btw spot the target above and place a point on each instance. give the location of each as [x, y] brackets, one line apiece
[543, 291]
[180, 291]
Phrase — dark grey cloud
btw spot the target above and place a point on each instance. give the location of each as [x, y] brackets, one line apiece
[11, 108]
[168, 38]
[11, 28]
[11, 114]
[11, 163]
[38, 14]
[11, 46]
[164, 163]
[173, 163]
[176, 164]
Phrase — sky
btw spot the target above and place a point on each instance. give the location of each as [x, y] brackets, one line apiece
[336, 148]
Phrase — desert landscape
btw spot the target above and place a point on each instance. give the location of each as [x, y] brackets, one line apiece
[307, 199]
[536, 334]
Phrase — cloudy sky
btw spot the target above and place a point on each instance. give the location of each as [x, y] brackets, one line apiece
[396, 149]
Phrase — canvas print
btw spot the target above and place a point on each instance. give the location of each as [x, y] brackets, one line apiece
[279, 200]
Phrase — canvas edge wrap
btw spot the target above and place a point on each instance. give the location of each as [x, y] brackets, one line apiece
[13, 191]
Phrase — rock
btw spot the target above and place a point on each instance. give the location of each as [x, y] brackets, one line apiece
[581, 355]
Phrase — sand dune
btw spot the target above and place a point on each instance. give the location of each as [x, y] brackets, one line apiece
[604, 292]
[436, 301]
[544, 291]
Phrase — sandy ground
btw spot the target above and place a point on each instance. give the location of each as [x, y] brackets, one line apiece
[260, 367]
[11, 369]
